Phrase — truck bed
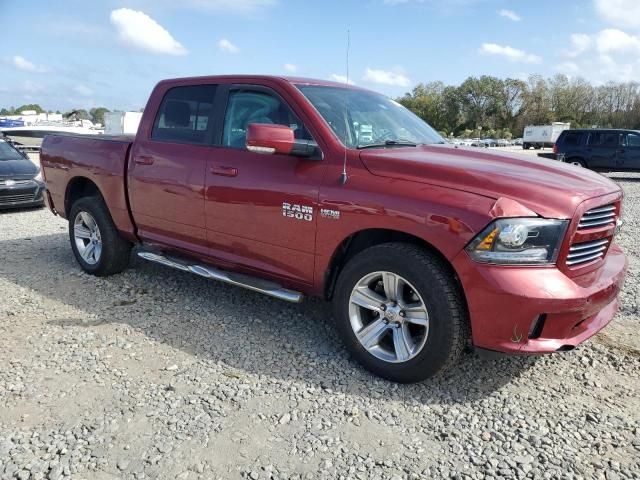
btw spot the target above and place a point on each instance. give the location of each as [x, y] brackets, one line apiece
[75, 161]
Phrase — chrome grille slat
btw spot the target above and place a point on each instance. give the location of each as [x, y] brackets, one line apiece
[597, 217]
[587, 251]
[596, 223]
[4, 200]
[584, 260]
[592, 250]
[582, 253]
[608, 208]
[583, 246]
[16, 182]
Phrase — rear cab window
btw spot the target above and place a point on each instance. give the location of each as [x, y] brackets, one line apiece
[186, 115]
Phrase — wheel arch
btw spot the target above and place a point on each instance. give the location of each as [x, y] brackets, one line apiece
[77, 188]
[363, 239]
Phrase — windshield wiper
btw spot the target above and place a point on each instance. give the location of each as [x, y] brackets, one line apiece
[389, 143]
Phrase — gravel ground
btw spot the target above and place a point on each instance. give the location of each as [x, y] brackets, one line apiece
[156, 373]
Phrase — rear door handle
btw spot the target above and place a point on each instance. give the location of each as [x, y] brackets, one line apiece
[144, 160]
[224, 171]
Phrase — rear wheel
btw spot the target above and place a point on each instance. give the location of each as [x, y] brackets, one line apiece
[577, 162]
[95, 241]
[400, 312]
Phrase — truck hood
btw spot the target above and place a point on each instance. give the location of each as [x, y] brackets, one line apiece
[550, 188]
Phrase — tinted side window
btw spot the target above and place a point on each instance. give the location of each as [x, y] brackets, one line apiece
[632, 140]
[185, 115]
[572, 139]
[595, 138]
[611, 139]
[251, 106]
[604, 139]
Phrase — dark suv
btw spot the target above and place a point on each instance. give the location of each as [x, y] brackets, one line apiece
[600, 149]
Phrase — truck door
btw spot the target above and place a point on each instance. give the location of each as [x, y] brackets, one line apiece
[167, 170]
[630, 152]
[261, 209]
[603, 149]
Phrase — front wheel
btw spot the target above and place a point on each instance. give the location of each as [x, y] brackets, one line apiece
[400, 312]
[95, 241]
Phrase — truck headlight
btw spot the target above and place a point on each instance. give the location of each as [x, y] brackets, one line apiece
[519, 241]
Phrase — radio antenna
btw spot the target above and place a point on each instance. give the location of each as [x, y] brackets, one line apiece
[343, 176]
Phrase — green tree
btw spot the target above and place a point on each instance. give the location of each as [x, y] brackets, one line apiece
[480, 100]
[30, 106]
[80, 114]
[97, 114]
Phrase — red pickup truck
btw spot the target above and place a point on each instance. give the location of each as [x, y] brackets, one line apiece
[295, 187]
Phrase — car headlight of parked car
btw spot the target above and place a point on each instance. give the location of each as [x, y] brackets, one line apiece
[519, 241]
[39, 177]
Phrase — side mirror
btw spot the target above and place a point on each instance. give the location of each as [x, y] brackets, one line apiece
[270, 138]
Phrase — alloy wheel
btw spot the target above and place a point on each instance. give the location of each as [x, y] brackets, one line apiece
[86, 235]
[388, 317]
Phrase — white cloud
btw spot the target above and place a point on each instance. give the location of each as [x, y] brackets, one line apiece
[341, 79]
[607, 41]
[510, 53]
[386, 77]
[510, 14]
[290, 67]
[25, 65]
[83, 90]
[608, 55]
[621, 13]
[580, 43]
[138, 30]
[226, 46]
[612, 40]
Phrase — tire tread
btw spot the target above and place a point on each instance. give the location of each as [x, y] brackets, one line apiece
[115, 249]
[444, 276]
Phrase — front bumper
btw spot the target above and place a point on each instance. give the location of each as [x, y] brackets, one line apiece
[24, 193]
[539, 309]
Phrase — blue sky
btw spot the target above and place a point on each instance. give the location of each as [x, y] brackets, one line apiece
[79, 53]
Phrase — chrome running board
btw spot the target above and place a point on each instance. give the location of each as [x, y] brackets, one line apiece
[251, 283]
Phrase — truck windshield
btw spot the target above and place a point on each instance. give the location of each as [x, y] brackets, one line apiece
[363, 119]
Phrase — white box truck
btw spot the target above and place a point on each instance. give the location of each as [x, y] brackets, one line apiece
[121, 123]
[539, 136]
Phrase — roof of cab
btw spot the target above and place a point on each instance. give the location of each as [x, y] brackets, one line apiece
[280, 78]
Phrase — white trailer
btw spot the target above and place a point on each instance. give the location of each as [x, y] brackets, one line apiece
[538, 136]
[121, 123]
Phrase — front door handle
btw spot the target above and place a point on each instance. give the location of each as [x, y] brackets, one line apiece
[224, 171]
[144, 160]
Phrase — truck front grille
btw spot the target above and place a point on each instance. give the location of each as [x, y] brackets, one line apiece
[586, 252]
[598, 217]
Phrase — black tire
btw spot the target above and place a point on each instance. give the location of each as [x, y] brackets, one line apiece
[448, 332]
[116, 251]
